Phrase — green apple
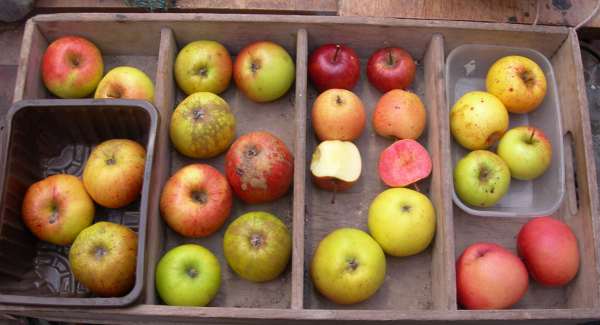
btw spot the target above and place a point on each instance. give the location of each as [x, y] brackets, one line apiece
[481, 178]
[478, 120]
[126, 82]
[348, 266]
[257, 246]
[264, 71]
[527, 152]
[203, 66]
[103, 258]
[188, 275]
[202, 126]
[402, 221]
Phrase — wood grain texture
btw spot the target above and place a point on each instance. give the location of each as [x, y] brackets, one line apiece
[29, 83]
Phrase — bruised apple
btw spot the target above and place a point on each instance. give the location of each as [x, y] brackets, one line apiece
[336, 165]
[404, 162]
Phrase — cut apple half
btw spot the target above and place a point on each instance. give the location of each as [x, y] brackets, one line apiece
[403, 163]
[336, 165]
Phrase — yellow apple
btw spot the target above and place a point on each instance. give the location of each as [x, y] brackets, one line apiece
[126, 82]
[518, 82]
[478, 120]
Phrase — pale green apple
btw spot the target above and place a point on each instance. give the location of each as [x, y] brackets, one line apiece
[402, 221]
[348, 266]
[481, 178]
[188, 275]
[527, 152]
[126, 82]
[203, 66]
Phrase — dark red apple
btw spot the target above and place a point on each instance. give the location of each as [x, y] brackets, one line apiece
[549, 249]
[404, 162]
[259, 167]
[333, 66]
[391, 68]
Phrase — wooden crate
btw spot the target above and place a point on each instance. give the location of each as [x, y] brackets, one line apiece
[419, 288]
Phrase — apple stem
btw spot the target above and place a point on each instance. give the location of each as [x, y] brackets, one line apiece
[335, 184]
[337, 50]
[416, 187]
[390, 59]
[531, 137]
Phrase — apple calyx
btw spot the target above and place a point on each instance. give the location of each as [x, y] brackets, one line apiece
[111, 161]
[203, 72]
[405, 208]
[100, 252]
[352, 265]
[256, 240]
[199, 197]
[255, 66]
[484, 174]
[198, 114]
[192, 272]
[54, 215]
[338, 47]
[74, 60]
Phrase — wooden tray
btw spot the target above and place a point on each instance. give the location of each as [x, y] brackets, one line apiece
[416, 288]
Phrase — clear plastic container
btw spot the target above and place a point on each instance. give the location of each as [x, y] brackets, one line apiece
[466, 69]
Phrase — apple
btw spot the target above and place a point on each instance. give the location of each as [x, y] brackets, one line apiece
[257, 246]
[188, 275]
[103, 258]
[527, 152]
[402, 221]
[333, 66]
[481, 178]
[72, 67]
[348, 266]
[259, 167]
[57, 208]
[488, 276]
[114, 173]
[478, 120]
[264, 71]
[203, 66]
[549, 249]
[126, 82]
[202, 126]
[391, 68]
[336, 165]
[403, 163]
[196, 200]
[399, 114]
[518, 82]
[338, 114]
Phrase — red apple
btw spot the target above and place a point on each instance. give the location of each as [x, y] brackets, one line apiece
[333, 66]
[391, 68]
[72, 67]
[404, 162]
[549, 249]
[259, 167]
[196, 200]
[488, 276]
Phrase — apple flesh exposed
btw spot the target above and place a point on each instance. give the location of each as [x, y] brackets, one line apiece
[257, 246]
[57, 208]
[203, 66]
[188, 275]
[72, 67]
[391, 68]
[348, 266]
[336, 165]
[518, 82]
[402, 221]
[114, 173]
[196, 201]
[333, 66]
[202, 126]
[481, 178]
[549, 249]
[399, 114]
[478, 120]
[403, 163]
[103, 258]
[489, 277]
[126, 82]
[527, 152]
[338, 114]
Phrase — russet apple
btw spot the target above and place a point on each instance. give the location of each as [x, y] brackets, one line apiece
[114, 173]
[259, 167]
[338, 114]
[103, 258]
[478, 120]
[196, 200]
[126, 82]
[333, 66]
[336, 165]
[481, 178]
[264, 71]
[488, 276]
[527, 152]
[403, 163]
[391, 68]
[518, 82]
[399, 114]
[72, 67]
[57, 208]
[203, 65]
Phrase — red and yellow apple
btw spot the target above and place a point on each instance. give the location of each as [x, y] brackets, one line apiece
[338, 114]
[203, 66]
[391, 68]
[399, 114]
[336, 165]
[126, 82]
